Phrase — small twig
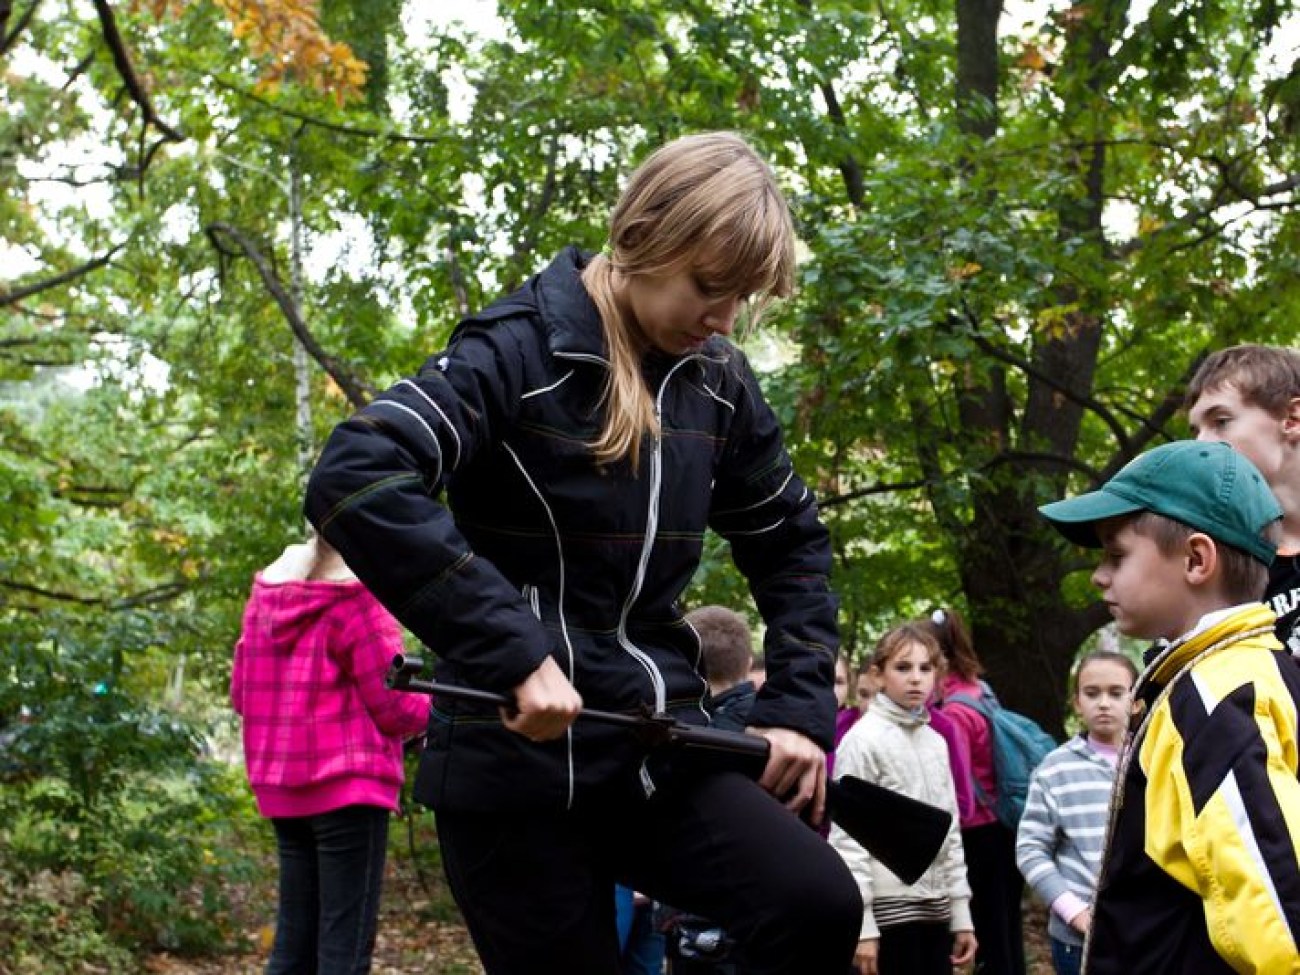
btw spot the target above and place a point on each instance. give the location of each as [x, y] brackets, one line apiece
[15, 295]
[122, 61]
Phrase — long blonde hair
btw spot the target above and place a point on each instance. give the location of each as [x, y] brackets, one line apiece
[703, 202]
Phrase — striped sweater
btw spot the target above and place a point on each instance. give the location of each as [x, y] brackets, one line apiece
[1063, 830]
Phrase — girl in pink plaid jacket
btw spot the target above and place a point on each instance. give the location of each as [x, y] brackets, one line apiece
[323, 747]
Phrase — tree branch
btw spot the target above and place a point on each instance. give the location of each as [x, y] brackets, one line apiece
[881, 488]
[1082, 399]
[342, 129]
[122, 61]
[357, 390]
[15, 295]
[1205, 214]
[1153, 424]
[8, 38]
[146, 597]
[534, 214]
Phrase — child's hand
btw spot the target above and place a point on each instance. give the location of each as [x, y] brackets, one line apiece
[963, 948]
[865, 958]
[1082, 921]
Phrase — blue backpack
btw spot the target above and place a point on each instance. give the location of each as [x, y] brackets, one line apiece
[1019, 745]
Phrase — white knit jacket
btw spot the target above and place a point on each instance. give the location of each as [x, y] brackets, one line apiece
[898, 749]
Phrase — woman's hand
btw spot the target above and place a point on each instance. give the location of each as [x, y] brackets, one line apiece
[963, 948]
[866, 956]
[545, 704]
[795, 771]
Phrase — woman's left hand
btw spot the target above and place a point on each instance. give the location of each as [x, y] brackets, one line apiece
[795, 772]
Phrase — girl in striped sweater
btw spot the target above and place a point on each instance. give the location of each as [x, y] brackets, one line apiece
[925, 928]
[1061, 836]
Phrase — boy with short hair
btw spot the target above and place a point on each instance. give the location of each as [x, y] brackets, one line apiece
[1200, 873]
[1249, 396]
[727, 649]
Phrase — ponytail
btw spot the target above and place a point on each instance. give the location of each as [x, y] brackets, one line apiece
[628, 407]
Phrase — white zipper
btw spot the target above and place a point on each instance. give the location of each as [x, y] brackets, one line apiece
[647, 547]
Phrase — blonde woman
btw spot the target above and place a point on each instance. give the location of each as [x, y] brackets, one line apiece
[532, 505]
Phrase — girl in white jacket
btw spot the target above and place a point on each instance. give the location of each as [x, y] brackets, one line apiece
[924, 929]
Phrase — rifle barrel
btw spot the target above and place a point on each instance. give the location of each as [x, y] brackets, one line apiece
[400, 677]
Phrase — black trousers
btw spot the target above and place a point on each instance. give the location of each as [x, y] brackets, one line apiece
[331, 875]
[915, 948]
[996, 886]
[536, 890]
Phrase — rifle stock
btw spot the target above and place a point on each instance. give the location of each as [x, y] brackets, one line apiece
[903, 833]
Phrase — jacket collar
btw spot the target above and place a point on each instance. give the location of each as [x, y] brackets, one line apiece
[1172, 657]
[898, 715]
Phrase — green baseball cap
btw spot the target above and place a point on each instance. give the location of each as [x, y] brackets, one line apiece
[1207, 486]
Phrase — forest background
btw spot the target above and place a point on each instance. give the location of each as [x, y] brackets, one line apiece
[226, 223]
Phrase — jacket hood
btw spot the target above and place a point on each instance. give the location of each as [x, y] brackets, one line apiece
[285, 604]
[568, 314]
[556, 298]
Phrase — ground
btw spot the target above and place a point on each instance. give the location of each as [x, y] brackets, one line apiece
[420, 935]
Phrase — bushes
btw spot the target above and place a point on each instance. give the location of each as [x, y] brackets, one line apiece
[48, 924]
[117, 833]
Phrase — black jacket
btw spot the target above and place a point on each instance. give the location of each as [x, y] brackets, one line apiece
[549, 553]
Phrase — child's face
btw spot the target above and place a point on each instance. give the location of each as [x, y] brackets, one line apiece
[1222, 414]
[1144, 589]
[866, 688]
[1104, 698]
[841, 682]
[908, 676]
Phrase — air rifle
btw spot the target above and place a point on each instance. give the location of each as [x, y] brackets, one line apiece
[902, 833]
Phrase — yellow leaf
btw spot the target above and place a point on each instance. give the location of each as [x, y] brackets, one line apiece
[1031, 58]
[1148, 224]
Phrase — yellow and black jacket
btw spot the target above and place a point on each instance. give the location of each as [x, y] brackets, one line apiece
[1201, 872]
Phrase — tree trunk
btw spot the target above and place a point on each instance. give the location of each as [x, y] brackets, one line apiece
[1010, 563]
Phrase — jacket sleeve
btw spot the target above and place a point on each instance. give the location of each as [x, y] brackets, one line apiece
[370, 638]
[782, 548]
[952, 855]
[958, 761]
[1223, 817]
[1037, 839]
[375, 496]
[854, 758]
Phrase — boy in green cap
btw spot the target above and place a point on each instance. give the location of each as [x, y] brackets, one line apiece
[1200, 873]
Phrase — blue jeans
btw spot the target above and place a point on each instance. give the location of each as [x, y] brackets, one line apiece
[331, 872]
[1066, 959]
[641, 947]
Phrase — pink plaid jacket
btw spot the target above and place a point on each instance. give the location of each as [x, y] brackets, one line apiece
[321, 730]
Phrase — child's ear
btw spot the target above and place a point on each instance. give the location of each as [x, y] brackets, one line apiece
[1291, 419]
[1200, 559]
